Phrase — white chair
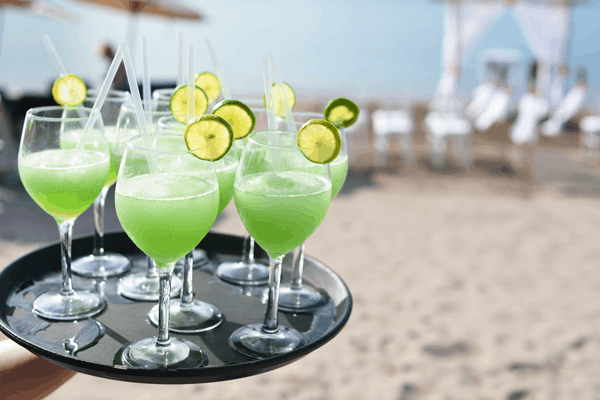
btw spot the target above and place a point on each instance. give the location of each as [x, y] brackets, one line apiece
[443, 128]
[569, 106]
[532, 108]
[496, 110]
[389, 122]
[481, 98]
[590, 126]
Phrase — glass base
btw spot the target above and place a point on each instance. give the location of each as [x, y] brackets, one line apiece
[243, 274]
[78, 305]
[193, 318]
[252, 341]
[179, 353]
[140, 287]
[301, 299]
[200, 259]
[110, 264]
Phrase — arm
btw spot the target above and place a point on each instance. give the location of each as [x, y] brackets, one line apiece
[24, 376]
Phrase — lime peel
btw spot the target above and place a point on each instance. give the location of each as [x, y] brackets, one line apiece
[341, 112]
[178, 103]
[208, 137]
[69, 90]
[319, 141]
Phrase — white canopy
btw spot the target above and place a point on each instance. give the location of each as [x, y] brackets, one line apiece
[545, 25]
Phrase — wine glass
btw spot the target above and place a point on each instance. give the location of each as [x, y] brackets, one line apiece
[189, 315]
[295, 296]
[64, 182]
[281, 198]
[247, 271]
[167, 200]
[161, 99]
[142, 286]
[102, 264]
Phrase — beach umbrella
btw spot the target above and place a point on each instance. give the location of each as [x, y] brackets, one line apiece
[158, 8]
[39, 8]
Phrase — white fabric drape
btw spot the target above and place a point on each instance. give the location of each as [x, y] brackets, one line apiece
[464, 24]
[546, 29]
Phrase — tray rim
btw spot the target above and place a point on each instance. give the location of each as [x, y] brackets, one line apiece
[170, 376]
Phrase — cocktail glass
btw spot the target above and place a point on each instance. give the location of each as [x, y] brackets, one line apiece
[161, 101]
[188, 315]
[166, 213]
[247, 271]
[143, 286]
[64, 183]
[295, 296]
[102, 264]
[281, 198]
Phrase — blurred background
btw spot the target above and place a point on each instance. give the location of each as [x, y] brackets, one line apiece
[467, 226]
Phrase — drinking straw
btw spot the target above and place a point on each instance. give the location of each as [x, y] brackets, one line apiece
[289, 117]
[110, 76]
[137, 102]
[269, 93]
[146, 77]
[191, 92]
[181, 76]
[54, 54]
[213, 55]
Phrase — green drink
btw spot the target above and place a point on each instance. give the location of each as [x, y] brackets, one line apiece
[62, 186]
[225, 169]
[282, 209]
[339, 171]
[166, 214]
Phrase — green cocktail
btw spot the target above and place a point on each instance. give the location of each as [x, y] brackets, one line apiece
[166, 214]
[282, 209]
[225, 169]
[62, 185]
[339, 171]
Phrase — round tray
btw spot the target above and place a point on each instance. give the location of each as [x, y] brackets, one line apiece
[99, 339]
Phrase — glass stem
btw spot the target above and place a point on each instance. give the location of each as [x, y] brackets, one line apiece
[271, 324]
[65, 229]
[297, 268]
[151, 271]
[187, 295]
[249, 255]
[99, 222]
[164, 301]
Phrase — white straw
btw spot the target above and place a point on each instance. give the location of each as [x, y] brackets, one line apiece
[191, 87]
[213, 55]
[181, 75]
[137, 103]
[146, 82]
[102, 92]
[270, 108]
[54, 54]
[289, 117]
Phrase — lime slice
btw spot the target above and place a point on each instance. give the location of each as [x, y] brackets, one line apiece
[277, 97]
[178, 103]
[238, 115]
[341, 112]
[319, 141]
[69, 90]
[209, 137]
[210, 84]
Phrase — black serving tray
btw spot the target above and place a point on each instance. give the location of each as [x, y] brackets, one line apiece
[123, 321]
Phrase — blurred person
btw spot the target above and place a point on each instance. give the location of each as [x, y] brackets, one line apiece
[107, 52]
[569, 106]
[524, 132]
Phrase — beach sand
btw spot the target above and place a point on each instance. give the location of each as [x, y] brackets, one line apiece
[463, 289]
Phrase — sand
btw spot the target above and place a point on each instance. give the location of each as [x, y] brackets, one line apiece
[463, 289]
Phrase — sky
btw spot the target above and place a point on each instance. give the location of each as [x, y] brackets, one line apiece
[357, 49]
